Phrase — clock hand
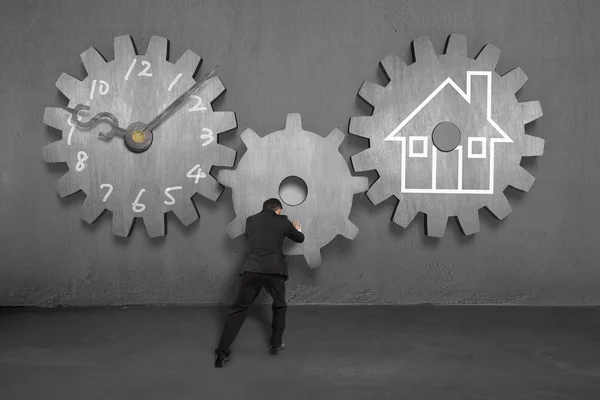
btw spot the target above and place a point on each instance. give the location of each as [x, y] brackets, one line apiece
[174, 105]
[113, 122]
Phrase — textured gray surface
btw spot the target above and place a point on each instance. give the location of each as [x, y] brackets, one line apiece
[309, 57]
[368, 352]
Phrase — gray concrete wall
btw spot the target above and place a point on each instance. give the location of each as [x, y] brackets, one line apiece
[308, 57]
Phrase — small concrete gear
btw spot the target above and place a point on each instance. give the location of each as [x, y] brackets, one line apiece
[134, 89]
[413, 86]
[315, 159]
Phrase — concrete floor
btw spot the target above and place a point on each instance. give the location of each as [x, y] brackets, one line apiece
[345, 352]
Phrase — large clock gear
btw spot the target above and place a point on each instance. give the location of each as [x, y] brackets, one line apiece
[175, 159]
[453, 95]
[315, 159]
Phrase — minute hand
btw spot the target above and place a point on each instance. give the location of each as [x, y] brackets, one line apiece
[173, 106]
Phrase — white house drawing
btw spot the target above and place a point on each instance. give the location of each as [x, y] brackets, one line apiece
[425, 157]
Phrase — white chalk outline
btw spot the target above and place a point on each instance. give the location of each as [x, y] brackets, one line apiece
[467, 96]
[411, 148]
[483, 153]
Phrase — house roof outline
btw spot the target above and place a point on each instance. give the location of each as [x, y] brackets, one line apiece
[467, 96]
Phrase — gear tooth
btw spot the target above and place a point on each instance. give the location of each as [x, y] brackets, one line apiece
[236, 227]
[56, 117]
[68, 85]
[533, 146]
[186, 212]
[349, 231]
[226, 157]
[361, 126]
[531, 111]
[211, 89]
[404, 214]
[424, 51]
[468, 220]
[189, 61]
[490, 55]
[392, 66]
[435, 225]
[363, 161]
[457, 45]
[122, 225]
[371, 92]
[293, 122]
[92, 60]
[514, 79]
[155, 225]
[226, 177]
[157, 48]
[91, 209]
[359, 184]
[222, 121]
[522, 180]
[67, 185]
[124, 47]
[54, 152]
[250, 138]
[313, 257]
[211, 189]
[335, 137]
[500, 207]
[378, 192]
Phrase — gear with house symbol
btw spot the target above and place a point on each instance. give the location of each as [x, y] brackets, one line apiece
[446, 135]
[294, 152]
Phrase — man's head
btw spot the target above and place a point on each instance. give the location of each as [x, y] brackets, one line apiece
[273, 204]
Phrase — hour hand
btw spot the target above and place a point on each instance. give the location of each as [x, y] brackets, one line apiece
[112, 121]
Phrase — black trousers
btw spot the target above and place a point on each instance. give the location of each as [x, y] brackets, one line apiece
[250, 286]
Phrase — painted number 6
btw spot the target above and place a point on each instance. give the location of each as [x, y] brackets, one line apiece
[136, 205]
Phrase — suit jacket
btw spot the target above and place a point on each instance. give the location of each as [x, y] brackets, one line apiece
[266, 232]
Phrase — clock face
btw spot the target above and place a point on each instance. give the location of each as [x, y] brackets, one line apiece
[173, 165]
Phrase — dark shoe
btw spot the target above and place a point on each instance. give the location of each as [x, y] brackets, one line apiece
[276, 350]
[221, 360]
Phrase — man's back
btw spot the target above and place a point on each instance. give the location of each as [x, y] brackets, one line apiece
[266, 234]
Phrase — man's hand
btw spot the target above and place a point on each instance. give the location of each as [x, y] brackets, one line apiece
[297, 224]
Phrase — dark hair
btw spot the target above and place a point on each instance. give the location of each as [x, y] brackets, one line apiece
[272, 204]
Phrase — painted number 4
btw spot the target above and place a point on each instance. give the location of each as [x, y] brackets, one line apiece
[197, 175]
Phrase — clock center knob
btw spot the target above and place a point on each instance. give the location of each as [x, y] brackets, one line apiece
[136, 140]
[138, 136]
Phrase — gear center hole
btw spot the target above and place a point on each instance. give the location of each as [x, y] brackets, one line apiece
[446, 136]
[293, 190]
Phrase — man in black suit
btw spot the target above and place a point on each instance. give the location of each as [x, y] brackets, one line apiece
[264, 266]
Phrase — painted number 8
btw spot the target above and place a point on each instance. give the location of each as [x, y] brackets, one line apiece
[81, 157]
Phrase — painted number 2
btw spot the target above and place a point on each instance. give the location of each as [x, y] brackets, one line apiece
[198, 106]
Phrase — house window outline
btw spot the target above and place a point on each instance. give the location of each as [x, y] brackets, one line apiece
[411, 148]
[483, 141]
